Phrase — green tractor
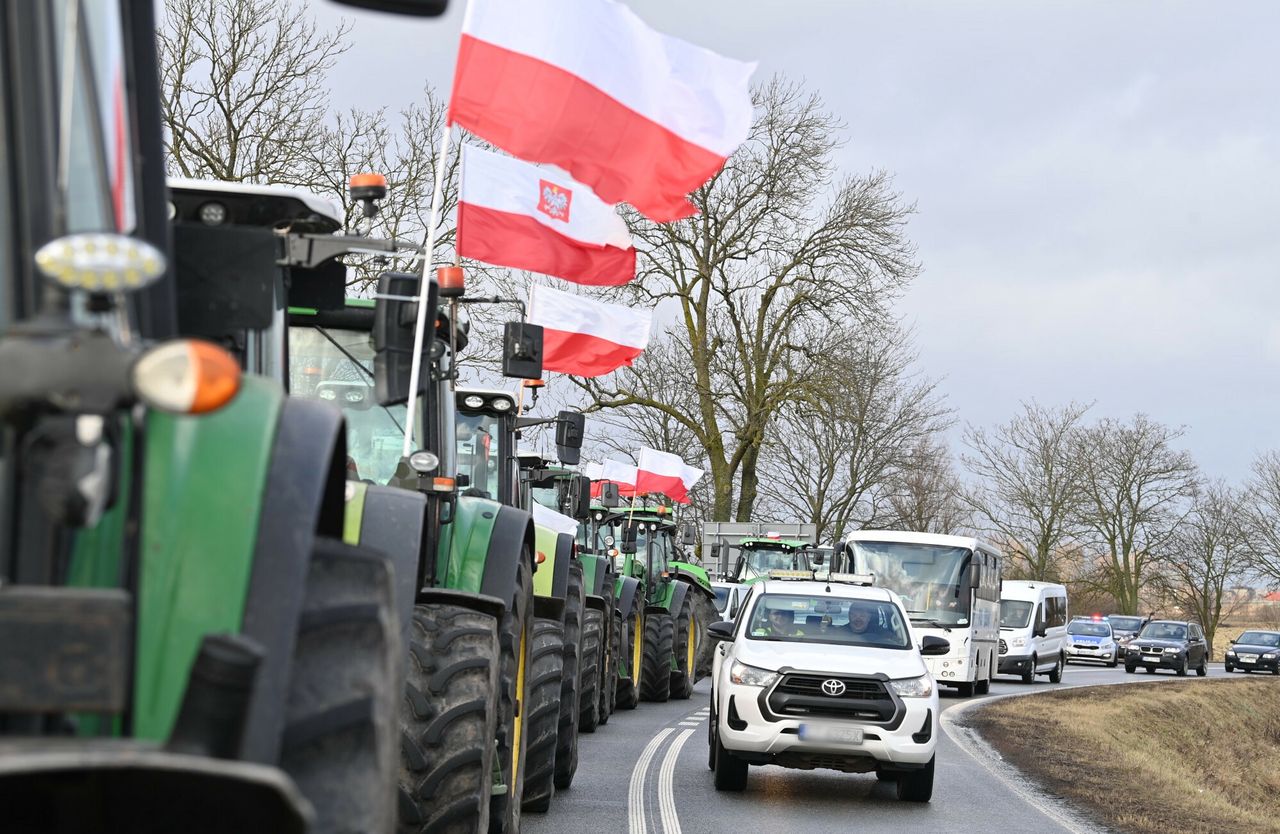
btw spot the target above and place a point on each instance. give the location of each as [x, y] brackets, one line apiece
[487, 427]
[189, 638]
[664, 602]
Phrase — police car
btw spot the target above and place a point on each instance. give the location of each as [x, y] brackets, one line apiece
[1091, 638]
[823, 674]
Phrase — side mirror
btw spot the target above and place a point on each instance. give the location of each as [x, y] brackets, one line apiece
[393, 329]
[570, 427]
[522, 353]
[580, 497]
[609, 496]
[975, 576]
[1040, 630]
[628, 543]
[738, 565]
[688, 536]
[461, 481]
[723, 630]
[932, 646]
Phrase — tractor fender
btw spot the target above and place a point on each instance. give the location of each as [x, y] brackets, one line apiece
[628, 587]
[599, 603]
[492, 606]
[393, 522]
[695, 575]
[679, 590]
[554, 553]
[512, 529]
[303, 499]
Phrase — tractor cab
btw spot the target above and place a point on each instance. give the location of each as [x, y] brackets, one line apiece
[758, 556]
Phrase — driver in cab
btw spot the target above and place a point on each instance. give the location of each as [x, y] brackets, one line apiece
[864, 624]
[778, 622]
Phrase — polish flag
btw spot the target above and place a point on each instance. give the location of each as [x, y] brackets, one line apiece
[588, 86]
[511, 213]
[584, 337]
[622, 474]
[665, 473]
[549, 518]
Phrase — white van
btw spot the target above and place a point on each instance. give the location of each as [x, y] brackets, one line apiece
[1033, 629]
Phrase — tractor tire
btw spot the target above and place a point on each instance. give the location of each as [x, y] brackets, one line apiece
[339, 744]
[571, 680]
[589, 697]
[705, 613]
[685, 648]
[655, 667]
[542, 716]
[630, 645]
[447, 721]
[515, 641]
[608, 658]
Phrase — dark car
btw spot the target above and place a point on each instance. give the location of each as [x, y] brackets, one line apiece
[1254, 650]
[1169, 644]
[1125, 627]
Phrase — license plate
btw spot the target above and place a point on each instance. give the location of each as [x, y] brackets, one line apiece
[1154, 657]
[1248, 658]
[825, 735]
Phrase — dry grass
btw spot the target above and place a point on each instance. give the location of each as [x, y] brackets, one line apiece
[1195, 756]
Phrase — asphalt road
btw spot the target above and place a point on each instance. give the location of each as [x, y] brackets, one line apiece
[646, 773]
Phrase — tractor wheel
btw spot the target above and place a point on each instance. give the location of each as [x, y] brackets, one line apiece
[609, 642]
[447, 721]
[542, 716]
[571, 680]
[515, 640]
[630, 657]
[705, 613]
[339, 744]
[589, 686]
[685, 648]
[655, 668]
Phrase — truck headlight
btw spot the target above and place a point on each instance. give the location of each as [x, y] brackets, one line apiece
[921, 687]
[746, 675]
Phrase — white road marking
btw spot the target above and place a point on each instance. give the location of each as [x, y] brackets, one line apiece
[666, 795]
[635, 795]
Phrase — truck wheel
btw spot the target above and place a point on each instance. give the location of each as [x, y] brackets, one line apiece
[515, 640]
[730, 771]
[589, 696]
[685, 648]
[542, 714]
[1055, 674]
[571, 680]
[447, 720]
[704, 611]
[630, 657]
[655, 668]
[916, 785]
[339, 744]
[1029, 676]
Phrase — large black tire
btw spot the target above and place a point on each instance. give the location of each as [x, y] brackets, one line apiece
[340, 735]
[704, 611]
[685, 648]
[589, 697]
[730, 771]
[447, 721]
[655, 668]
[515, 641]
[542, 717]
[1029, 676]
[571, 681]
[1055, 674]
[916, 785]
[630, 644]
[609, 643]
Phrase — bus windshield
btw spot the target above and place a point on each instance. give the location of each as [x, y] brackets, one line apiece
[336, 366]
[933, 580]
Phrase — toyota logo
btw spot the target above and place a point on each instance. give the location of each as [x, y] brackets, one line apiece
[833, 687]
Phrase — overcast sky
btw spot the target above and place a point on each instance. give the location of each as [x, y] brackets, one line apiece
[1098, 184]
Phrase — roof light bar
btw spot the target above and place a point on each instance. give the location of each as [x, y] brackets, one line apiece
[790, 574]
[853, 578]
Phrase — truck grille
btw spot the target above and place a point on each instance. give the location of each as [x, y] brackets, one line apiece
[863, 699]
[853, 687]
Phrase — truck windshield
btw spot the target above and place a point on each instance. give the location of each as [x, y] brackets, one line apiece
[1014, 613]
[761, 560]
[933, 580]
[336, 366]
[820, 619]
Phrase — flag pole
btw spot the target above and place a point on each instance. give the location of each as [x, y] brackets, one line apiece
[420, 326]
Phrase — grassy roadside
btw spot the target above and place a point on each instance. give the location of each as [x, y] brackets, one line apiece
[1196, 756]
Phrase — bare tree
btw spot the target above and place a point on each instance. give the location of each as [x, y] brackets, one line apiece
[244, 97]
[1030, 486]
[1209, 554]
[1137, 487]
[782, 254]
[923, 495]
[1262, 501]
[830, 456]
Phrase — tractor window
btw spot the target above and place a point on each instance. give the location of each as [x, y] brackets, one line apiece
[479, 454]
[336, 366]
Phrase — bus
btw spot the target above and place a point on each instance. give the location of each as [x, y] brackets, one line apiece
[950, 586]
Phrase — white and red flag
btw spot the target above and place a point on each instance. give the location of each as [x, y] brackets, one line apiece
[622, 474]
[585, 337]
[511, 213]
[588, 86]
[665, 473]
